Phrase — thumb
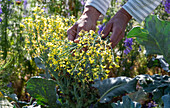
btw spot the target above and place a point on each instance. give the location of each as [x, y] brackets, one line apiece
[71, 32]
[107, 30]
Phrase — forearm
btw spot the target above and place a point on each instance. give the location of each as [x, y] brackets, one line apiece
[100, 5]
[139, 9]
[92, 12]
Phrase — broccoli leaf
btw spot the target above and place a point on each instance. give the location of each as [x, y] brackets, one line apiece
[39, 62]
[127, 103]
[155, 36]
[4, 103]
[112, 87]
[157, 85]
[166, 100]
[43, 90]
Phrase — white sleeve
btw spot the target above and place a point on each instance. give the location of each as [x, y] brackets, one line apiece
[139, 9]
[100, 5]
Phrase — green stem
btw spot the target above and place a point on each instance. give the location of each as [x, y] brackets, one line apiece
[111, 90]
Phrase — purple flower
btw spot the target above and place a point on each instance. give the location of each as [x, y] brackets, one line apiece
[25, 4]
[10, 84]
[101, 27]
[167, 6]
[128, 44]
[68, 14]
[82, 2]
[45, 9]
[127, 51]
[1, 10]
[24, 16]
[151, 104]
[140, 49]
[0, 19]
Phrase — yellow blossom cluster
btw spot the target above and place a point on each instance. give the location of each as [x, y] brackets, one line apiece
[42, 31]
[88, 59]
[91, 58]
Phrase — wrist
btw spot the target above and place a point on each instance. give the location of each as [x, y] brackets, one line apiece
[126, 14]
[91, 12]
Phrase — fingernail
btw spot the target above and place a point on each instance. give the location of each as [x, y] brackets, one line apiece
[76, 41]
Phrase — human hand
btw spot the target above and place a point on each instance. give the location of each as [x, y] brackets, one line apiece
[86, 22]
[117, 26]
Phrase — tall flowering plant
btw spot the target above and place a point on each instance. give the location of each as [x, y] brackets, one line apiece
[74, 66]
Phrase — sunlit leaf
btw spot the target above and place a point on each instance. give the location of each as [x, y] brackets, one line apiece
[155, 36]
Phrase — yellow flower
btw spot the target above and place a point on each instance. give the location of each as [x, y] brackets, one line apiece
[91, 60]
[110, 66]
[107, 71]
[68, 70]
[1, 95]
[22, 25]
[103, 66]
[79, 73]
[80, 69]
[79, 45]
[95, 69]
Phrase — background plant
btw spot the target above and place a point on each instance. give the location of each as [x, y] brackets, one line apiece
[17, 65]
[75, 71]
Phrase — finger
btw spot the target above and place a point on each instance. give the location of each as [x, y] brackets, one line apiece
[115, 43]
[71, 32]
[78, 30]
[93, 28]
[86, 27]
[107, 30]
[116, 36]
[84, 49]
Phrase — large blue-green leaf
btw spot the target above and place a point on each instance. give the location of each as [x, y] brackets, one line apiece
[166, 100]
[157, 85]
[150, 83]
[155, 36]
[39, 62]
[41, 65]
[127, 103]
[112, 87]
[4, 103]
[139, 95]
[43, 90]
[158, 61]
